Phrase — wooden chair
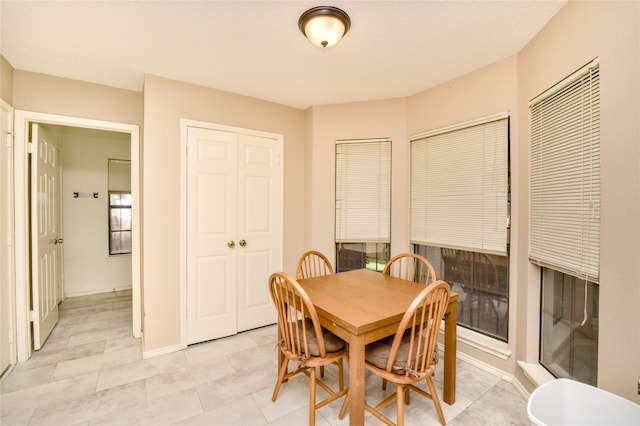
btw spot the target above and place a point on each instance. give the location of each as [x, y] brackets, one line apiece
[412, 267]
[313, 264]
[410, 357]
[303, 341]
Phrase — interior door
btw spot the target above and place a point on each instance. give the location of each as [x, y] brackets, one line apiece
[259, 227]
[45, 232]
[211, 234]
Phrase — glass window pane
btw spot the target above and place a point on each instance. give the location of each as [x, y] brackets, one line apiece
[482, 282]
[569, 343]
[115, 219]
[351, 256]
[114, 243]
[125, 219]
[120, 242]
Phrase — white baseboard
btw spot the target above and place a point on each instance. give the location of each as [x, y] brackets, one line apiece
[161, 351]
[98, 291]
[522, 390]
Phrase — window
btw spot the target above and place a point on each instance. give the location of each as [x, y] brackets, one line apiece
[565, 221]
[363, 204]
[119, 206]
[459, 216]
[119, 223]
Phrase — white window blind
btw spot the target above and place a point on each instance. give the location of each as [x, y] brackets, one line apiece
[565, 176]
[459, 186]
[363, 191]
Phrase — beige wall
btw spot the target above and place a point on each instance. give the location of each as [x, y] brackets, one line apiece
[166, 102]
[361, 120]
[580, 32]
[53, 95]
[6, 80]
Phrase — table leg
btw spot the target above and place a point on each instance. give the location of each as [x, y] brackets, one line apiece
[356, 381]
[450, 337]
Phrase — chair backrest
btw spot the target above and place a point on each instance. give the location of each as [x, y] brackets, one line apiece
[422, 322]
[313, 264]
[411, 267]
[297, 317]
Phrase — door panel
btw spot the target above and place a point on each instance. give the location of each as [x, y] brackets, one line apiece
[260, 225]
[46, 233]
[211, 224]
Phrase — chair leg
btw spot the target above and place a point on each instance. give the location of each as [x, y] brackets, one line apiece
[436, 400]
[345, 405]
[400, 404]
[281, 374]
[312, 397]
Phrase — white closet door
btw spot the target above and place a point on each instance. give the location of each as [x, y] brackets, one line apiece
[211, 226]
[234, 231]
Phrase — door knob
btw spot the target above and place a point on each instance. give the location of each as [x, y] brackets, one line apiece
[231, 244]
[59, 241]
[242, 243]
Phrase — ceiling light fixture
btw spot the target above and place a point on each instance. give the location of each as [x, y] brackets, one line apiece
[324, 26]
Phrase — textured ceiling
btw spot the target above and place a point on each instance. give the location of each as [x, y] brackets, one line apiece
[394, 48]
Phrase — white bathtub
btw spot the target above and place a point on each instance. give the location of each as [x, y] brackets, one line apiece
[568, 402]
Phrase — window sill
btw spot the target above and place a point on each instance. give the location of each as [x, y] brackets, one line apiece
[119, 258]
[484, 343]
[536, 373]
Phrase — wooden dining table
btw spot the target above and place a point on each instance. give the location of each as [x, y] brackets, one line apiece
[362, 306]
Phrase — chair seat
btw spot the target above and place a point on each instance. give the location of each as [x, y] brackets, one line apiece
[332, 343]
[377, 354]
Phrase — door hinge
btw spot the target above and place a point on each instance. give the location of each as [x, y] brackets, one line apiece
[32, 316]
[9, 239]
[30, 147]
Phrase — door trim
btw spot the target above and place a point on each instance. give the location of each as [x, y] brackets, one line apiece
[184, 125]
[7, 251]
[22, 244]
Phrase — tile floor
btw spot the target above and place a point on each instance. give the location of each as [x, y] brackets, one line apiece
[91, 372]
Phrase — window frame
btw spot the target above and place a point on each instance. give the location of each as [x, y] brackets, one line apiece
[362, 218]
[111, 207]
[559, 149]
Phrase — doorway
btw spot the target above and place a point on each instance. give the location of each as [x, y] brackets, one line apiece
[23, 261]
